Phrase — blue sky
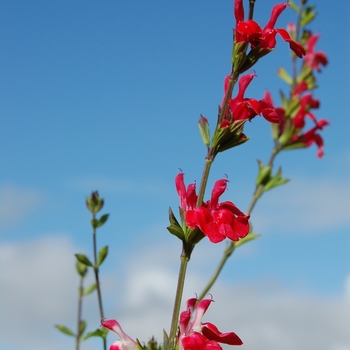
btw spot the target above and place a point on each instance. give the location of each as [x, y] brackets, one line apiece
[106, 95]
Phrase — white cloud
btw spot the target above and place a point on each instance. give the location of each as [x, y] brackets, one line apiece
[307, 205]
[38, 289]
[16, 204]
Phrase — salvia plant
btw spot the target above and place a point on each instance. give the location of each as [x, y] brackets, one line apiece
[294, 126]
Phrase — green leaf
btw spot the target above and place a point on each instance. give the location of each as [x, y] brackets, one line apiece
[89, 290]
[102, 254]
[83, 259]
[283, 74]
[264, 174]
[81, 269]
[249, 237]
[204, 130]
[99, 332]
[103, 219]
[64, 330]
[277, 180]
[82, 327]
[293, 6]
[175, 227]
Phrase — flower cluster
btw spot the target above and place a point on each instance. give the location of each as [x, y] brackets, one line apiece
[295, 112]
[216, 220]
[242, 108]
[197, 335]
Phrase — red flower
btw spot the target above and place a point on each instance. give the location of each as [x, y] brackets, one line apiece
[314, 59]
[247, 108]
[196, 335]
[125, 342]
[311, 136]
[296, 136]
[216, 220]
[250, 32]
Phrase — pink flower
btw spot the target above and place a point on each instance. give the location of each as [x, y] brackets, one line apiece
[216, 220]
[250, 32]
[247, 108]
[196, 335]
[125, 342]
[314, 59]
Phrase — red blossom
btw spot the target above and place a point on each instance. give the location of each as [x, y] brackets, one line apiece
[196, 335]
[216, 220]
[125, 342]
[243, 108]
[250, 32]
[314, 59]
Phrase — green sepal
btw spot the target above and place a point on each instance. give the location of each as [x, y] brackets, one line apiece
[65, 330]
[81, 269]
[275, 181]
[203, 126]
[174, 228]
[94, 203]
[293, 6]
[139, 346]
[283, 74]
[99, 222]
[264, 174]
[152, 344]
[249, 237]
[229, 137]
[84, 260]
[102, 254]
[99, 332]
[239, 56]
[308, 16]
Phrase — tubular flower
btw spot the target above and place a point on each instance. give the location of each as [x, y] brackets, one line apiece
[291, 135]
[125, 342]
[216, 220]
[263, 40]
[247, 108]
[314, 59]
[196, 335]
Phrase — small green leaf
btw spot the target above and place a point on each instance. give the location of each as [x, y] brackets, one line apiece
[275, 181]
[175, 227]
[81, 269]
[84, 260]
[102, 255]
[90, 289]
[103, 219]
[283, 74]
[249, 237]
[204, 130]
[293, 6]
[82, 327]
[99, 332]
[64, 330]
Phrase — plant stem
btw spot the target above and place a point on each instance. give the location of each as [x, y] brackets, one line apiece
[80, 304]
[259, 190]
[96, 270]
[177, 304]
[251, 9]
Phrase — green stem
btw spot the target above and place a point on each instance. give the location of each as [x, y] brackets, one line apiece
[96, 272]
[80, 304]
[204, 181]
[259, 190]
[177, 303]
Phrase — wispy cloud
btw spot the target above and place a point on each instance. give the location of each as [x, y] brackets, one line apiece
[17, 203]
[305, 205]
[38, 285]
